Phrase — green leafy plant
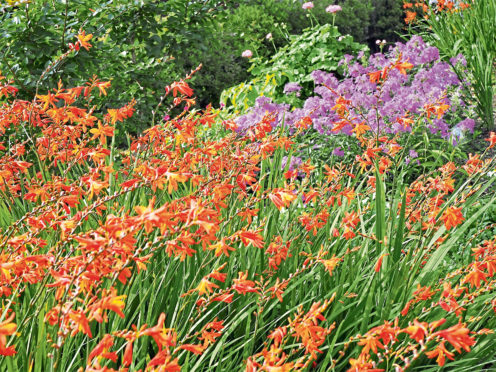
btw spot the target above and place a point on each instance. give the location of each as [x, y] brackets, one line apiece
[468, 29]
[317, 48]
[139, 45]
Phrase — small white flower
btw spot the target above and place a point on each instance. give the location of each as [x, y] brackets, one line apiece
[308, 5]
[333, 9]
[247, 53]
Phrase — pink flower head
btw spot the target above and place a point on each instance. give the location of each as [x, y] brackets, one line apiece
[308, 5]
[333, 9]
[247, 53]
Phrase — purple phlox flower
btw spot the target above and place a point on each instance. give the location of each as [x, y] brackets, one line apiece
[466, 125]
[346, 59]
[324, 78]
[263, 106]
[292, 87]
[459, 59]
[338, 151]
[294, 163]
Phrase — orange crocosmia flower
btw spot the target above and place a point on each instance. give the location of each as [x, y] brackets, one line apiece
[440, 110]
[209, 337]
[217, 275]
[370, 342]
[339, 125]
[452, 217]
[378, 265]
[437, 109]
[441, 353]
[230, 125]
[244, 180]
[114, 303]
[124, 275]
[341, 105]
[162, 336]
[491, 140]
[114, 115]
[205, 287]
[278, 334]
[278, 289]
[251, 237]
[348, 193]
[404, 312]
[127, 358]
[102, 132]
[387, 332]
[6, 90]
[410, 16]
[80, 320]
[348, 233]
[385, 72]
[331, 264]
[310, 196]
[303, 123]
[195, 349]
[403, 67]
[69, 201]
[458, 337]
[84, 39]
[306, 167]
[450, 305]
[490, 265]
[173, 179]
[474, 277]
[102, 349]
[360, 129]
[226, 297]
[208, 117]
[242, 285]
[164, 360]
[417, 331]
[5, 268]
[211, 332]
[363, 365]
[7, 328]
[49, 99]
[423, 293]
[351, 219]
[221, 248]
[102, 86]
[375, 76]
[130, 183]
[282, 198]
[181, 87]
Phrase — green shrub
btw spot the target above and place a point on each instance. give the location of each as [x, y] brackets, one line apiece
[137, 44]
[318, 48]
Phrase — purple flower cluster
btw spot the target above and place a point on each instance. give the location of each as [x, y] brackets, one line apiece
[292, 87]
[430, 81]
[294, 163]
[263, 106]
